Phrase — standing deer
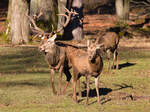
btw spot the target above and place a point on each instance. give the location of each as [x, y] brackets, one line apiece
[110, 41]
[86, 63]
[55, 55]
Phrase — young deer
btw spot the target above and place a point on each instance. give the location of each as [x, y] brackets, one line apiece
[86, 63]
[55, 55]
[110, 41]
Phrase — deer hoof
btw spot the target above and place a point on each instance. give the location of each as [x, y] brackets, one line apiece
[54, 93]
[99, 104]
[75, 100]
[86, 104]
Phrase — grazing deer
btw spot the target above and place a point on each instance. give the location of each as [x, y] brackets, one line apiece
[86, 63]
[54, 54]
[110, 41]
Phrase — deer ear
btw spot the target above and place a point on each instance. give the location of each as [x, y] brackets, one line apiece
[54, 37]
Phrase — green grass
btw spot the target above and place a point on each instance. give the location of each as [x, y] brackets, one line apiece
[25, 84]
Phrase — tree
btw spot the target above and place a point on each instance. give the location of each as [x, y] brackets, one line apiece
[48, 8]
[61, 10]
[19, 24]
[74, 30]
[126, 9]
[122, 9]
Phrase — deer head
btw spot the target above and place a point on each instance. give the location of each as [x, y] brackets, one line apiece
[48, 44]
[93, 50]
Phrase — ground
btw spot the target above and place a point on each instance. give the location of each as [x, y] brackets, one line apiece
[25, 84]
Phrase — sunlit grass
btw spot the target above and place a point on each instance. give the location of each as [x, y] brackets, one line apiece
[25, 84]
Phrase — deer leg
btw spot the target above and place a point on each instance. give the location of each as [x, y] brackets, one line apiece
[78, 83]
[75, 78]
[114, 59]
[68, 76]
[60, 79]
[117, 57]
[52, 81]
[88, 89]
[108, 57]
[97, 90]
[74, 90]
[61, 61]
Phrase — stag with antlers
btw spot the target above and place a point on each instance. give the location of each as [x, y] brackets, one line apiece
[54, 54]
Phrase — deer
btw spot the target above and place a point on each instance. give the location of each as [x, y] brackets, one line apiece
[63, 60]
[110, 41]
[86, 63]
[55, 55]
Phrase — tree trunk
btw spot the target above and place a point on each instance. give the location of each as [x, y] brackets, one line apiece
[61, 10]
[19, 24]
[122, 10]
[126, 9]
[74, 30]
[119, 10]
[77, 23]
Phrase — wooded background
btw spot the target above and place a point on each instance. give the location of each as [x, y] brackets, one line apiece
[18, 23]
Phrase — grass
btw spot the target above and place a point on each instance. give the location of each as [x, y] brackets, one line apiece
[25, 84]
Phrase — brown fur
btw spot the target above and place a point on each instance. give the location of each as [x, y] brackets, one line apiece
[85, 65]
[55, 55]
[110, 41]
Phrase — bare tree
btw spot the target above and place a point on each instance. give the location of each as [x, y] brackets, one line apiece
[19, 24]
[122, 9]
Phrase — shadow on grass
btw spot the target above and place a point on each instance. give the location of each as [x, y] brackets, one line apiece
[105, 91]
[21, 60]
[22, 83]
[92, 93]
[124, 65]
[122, 86]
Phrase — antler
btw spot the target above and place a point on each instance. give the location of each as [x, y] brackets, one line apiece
[35, 28]
[40, 14]
[68, 17]
[39, 31]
